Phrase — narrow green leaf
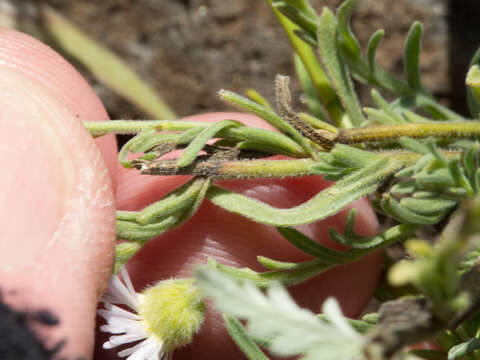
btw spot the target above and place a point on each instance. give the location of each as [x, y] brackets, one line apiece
[457, 172]
[344, 157]
[348, 39]
[473, 80]
[373, 318]
[428, 354]
[404, 187]
[315, 249]
[385, 106]
[414, 145]
[176, 200]
[197, 144]
[472, 99]
[317, 123]
[416, 167]
[424, 101]
[335, 67]
[404, 215]
[151, 139]
[267, 115]
[188, 135]
[258, 98]
[294, 275]
[427, 206]
[124, 151]
[379, 116]
[359, 325]
[464, 348]
[107, 67]
[325, 204]
[272, 264]
[372, 48]
[127, 230]
[308, 86]
[190, 211]
[240, 337]
[349, 230]
[412, 56]
[390, 82]
[325, 92]
[389, 236]
[440, 180]
[124, 252]
[127, 215]
[306, 22]
[413, 117]
[269, 139]
[302, 5]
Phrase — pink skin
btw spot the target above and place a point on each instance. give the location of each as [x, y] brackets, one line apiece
[57, 238]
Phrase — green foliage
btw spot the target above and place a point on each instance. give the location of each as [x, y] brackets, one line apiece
[472, 95]
[327, 34]
[241, 338]
[327, 203]
[416, 160]
[460, 350]
[274, 318]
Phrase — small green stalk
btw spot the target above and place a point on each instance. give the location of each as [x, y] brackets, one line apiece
[131, 127]
[470, 130]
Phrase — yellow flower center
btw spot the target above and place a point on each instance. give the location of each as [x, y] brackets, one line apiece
[173, 310]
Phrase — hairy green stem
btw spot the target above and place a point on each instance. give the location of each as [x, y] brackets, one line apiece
[469, 130]
[131, 127]
[233, 169]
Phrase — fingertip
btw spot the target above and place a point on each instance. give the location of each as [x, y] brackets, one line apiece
[42, 65]
[58, 213]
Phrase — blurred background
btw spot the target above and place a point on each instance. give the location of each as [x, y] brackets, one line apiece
[189, 49]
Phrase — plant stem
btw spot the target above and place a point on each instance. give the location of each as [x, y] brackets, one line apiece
[233, 169]
[469, 130]
[409, 158]
[100, 128]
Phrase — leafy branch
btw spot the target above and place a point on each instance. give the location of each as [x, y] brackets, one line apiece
[417, 161]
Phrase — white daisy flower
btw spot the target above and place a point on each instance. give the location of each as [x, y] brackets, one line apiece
[165, 317]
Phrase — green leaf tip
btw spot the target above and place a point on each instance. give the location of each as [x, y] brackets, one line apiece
[473, 80]
[412, 56]
[337, 71]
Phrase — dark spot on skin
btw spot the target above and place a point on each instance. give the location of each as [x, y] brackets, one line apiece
[18, 340]
[45, 317]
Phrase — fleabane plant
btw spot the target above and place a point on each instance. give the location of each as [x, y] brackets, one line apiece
[414, 158]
